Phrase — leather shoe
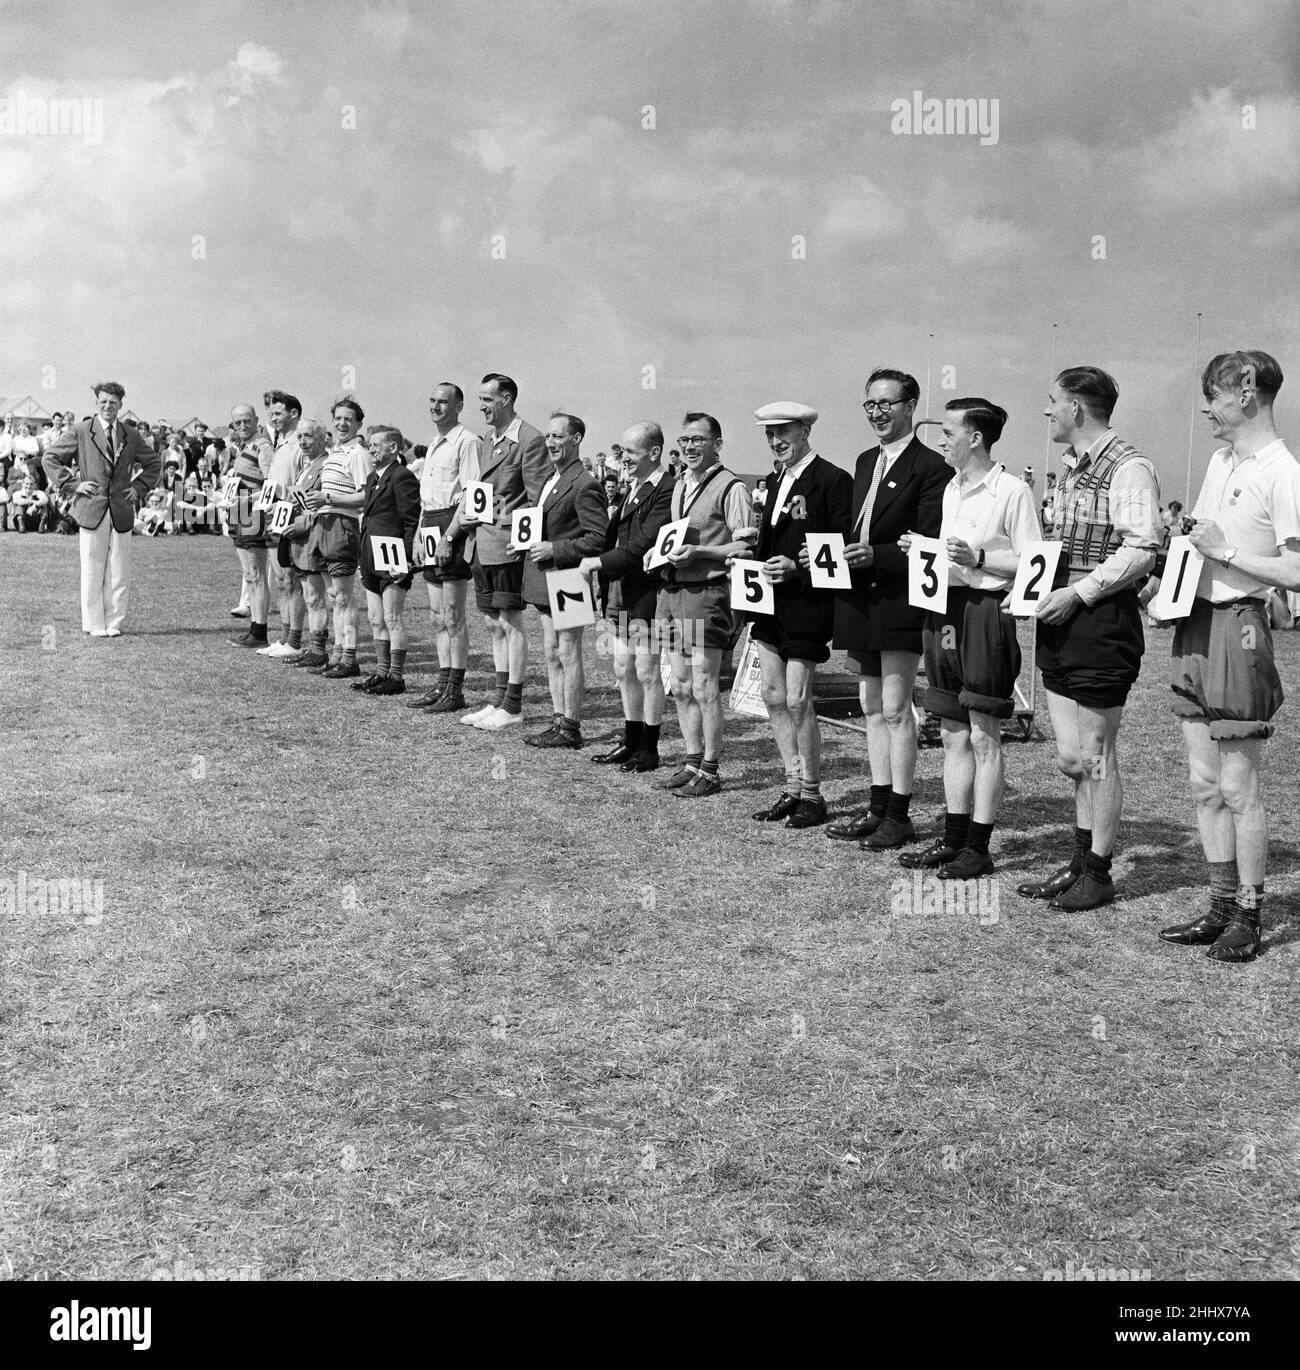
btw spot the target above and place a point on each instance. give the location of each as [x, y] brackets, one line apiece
[641, 762]
[938, 853]
[783, 808]
[890, 834]
[451, 703]
[340, 672]
[426, 699]
[388, 686]
[616, 757]
[968, 864]
[369, 682]
[311, 661]
[1199, 933]
[855, 829]
[1089, 891]
[536, 739]
[560, 737]
[1057, 883]
[1239, 941]
[810, 813]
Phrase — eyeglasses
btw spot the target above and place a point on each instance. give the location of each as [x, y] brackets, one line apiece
[882, 406]
[693, 442]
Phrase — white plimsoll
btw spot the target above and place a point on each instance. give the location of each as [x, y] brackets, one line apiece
[498, 719]
[478, 715]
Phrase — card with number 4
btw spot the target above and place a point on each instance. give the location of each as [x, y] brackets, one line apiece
[826, 564]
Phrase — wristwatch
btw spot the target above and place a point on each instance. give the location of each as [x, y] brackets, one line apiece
[980, 562]
[1228, 554]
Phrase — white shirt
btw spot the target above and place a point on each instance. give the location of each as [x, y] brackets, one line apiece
[450, 464]
[997, 513]
[1256, 501]
[788, 478]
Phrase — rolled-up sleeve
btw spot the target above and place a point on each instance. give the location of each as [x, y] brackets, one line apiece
[1135, 515]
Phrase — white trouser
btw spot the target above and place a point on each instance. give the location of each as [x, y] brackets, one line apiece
[105, 561]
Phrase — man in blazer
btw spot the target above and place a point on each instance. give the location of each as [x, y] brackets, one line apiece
[515, 464]
[574, 521]
[105, 453]
[811, 496]
[391, 510]
[633, 531]
[897, 488]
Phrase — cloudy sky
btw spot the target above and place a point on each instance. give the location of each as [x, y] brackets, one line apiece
[637, 208]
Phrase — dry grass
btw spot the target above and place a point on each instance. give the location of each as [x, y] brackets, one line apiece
[381, 996]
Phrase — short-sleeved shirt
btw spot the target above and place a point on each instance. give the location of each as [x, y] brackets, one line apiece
[450, 464]
[996, 513]
[345, 472]
[1257, 504]
[287, 461]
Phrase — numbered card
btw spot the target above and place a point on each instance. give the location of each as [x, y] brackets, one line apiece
[1178, 585]
[281, 516]
[526, 527]
[389, 555]
[267, 497]
[1034, 577]
[671, 537]
[927, 574]
[751, 591]
[573, 605]
[478, 502]
[430, 537]
[826, 562]
[230, 490]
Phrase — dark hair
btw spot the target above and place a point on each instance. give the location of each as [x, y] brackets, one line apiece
[986, 418]
[291, 402]
[504, 384]
[1175, 504]
[378, 428]
[108, 388]
[574, 423]
[715, 428]
[451, 385]
[1094, 388]
[347, 402]
[911, 391]
[1225, 372]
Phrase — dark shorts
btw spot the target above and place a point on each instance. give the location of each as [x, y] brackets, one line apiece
[972, 657]
[1094, 657]
[457, 568]
[769, 629]
[641, 608]
[698, 615]
[870, 663]
[244, 541]
[284, 554]
[376, 582]
[1222, 669]
[498, 587]
[334, 545]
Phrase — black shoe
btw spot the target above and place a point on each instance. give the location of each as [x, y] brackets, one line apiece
[809, 813]
[340, 672]
[388, 686]
[1201, 932]
[1057, 883]
[248, 640]
[1239, 941]
[560, 737]
[890, 834]
[537, 739]
[427, 699]
[329, 665]
[1089, 891]
[855, 829]
[616, 757]
[644, 760]
[783, 808]
[312, 661]
[451, 703]
[968, 864]
[369, 682]
[938, 853]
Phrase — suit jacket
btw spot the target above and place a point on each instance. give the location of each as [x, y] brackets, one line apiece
[818, 502]
[574, 521]
[875, 615]
[84, 444]
[392, 507]
[517, 471]
[632, 532]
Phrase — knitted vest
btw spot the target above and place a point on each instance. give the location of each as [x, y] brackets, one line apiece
[1085, 528]
[706, 522]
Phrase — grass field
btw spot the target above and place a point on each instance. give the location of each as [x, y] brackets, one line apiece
[373, 995]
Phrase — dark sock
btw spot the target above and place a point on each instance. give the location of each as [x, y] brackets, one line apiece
[898, 806]
[295, 638]
[512, 698]
[955, 828]
[1223, 887]
[879, 800]
[633, 728]
[349, 657]
[318, 642]
[650, 737]
[810, 789]
[455, 680]
[570, 725]
[693, 760]
[709, 767]
[977, 837]
[398, 658]
[1095, 865]
[381, 657]
[502, 691]
[258, 630]
[444, 674]
[1082, 845]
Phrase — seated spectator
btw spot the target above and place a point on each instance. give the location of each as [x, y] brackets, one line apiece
[31, 506]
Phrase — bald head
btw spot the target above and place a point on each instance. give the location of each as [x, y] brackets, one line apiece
[243, 422]
[643, 447]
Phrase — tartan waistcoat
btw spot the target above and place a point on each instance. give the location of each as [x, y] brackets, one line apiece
[1083, 509]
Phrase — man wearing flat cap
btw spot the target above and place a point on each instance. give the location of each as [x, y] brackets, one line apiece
[809, 496]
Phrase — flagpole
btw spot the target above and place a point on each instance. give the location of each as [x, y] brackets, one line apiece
[929, 366]
[1191, 435]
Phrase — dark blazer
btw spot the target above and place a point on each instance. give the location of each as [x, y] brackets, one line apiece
[574, 520]
[391, 509]
[875, 616]
[83, 444]
[817, 503]
[632, 532]
[517, 470]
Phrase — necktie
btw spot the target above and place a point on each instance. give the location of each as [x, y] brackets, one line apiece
[869, 504]
[108, 435]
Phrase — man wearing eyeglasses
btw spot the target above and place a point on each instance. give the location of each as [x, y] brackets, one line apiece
[897, 488]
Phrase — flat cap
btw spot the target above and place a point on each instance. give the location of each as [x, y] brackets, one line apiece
[784, 411]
